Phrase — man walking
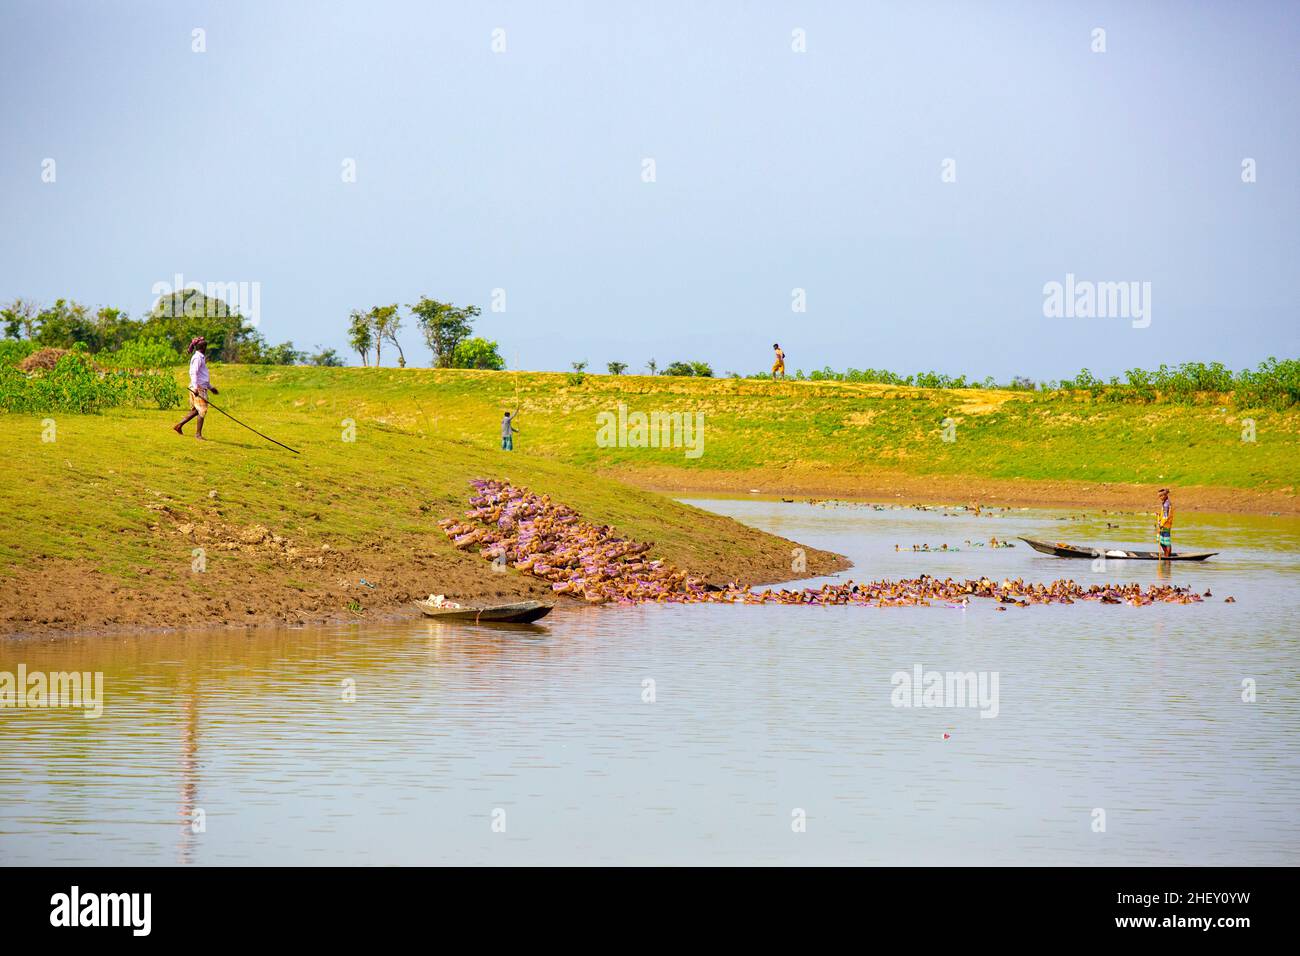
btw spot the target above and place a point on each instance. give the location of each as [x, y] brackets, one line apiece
[778, 362]
[199, 387]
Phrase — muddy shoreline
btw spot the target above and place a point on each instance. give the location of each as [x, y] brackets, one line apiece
[54, 597]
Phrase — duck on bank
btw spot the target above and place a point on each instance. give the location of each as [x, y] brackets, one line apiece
[536, 535]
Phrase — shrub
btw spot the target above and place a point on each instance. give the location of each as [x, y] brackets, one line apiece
[75, 385]
[328, 358]
[477, 353]
[13, 351]
[143, 353]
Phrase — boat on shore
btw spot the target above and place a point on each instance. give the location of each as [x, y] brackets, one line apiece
[521, 612]
[1062, 550]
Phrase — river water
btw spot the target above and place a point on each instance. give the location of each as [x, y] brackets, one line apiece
[1106, 735]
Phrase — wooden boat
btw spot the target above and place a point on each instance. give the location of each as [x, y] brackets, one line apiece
[1063, 550]
[521, 612]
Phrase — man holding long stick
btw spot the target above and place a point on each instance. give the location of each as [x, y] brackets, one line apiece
[508, 431]
[200, 385]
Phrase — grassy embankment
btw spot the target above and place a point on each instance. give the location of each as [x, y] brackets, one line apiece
[839, 438]
[98, 527]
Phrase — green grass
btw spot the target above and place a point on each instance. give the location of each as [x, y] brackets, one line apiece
[806, 426]
[92, 494]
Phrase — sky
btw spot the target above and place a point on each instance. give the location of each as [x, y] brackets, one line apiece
[921, 171]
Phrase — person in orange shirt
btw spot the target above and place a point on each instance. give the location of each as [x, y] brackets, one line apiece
[778, 365]
[1165, 523]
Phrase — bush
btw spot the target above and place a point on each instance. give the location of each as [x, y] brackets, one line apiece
[327, 358]
[143, 353]
[75, 385]
[477, 353]
[13, 351]
[679, 368]
[616, 368]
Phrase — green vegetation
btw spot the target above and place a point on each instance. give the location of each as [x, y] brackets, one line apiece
[92, 494]
[478, 353]
[1274, 384]
[445, 327]
[174, 320]
[805, 428]
[144, 353]
[75, 385]
[687, 369]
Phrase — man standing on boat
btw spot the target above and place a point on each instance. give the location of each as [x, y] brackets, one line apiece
[1165, 524]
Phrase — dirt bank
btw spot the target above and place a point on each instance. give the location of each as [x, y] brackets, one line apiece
[254, 585]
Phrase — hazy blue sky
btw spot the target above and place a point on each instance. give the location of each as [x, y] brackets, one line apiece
[775, 170]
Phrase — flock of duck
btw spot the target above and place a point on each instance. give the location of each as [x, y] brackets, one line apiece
[533, 534]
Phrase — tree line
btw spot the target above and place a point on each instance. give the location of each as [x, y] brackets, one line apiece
[447, 330]
[158, 339]
[161, 337]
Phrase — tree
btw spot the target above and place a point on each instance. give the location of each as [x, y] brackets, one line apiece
[478, 353]
[282, 354]
[182, 315]
[64, 324]
[361, 336]
[679, 368]
[19, 317]
[616, 368]
[387, 323]
[579, 367]
[444, 326]
[653, 366]
[325, 357]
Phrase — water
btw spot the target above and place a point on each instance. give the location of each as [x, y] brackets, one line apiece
[761, 717]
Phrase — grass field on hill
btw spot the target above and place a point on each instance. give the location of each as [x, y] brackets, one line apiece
[99, 526]
[806, 429]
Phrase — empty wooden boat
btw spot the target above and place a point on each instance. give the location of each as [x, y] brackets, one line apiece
[1062, 550]
[521, 612]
